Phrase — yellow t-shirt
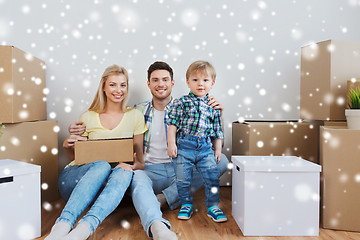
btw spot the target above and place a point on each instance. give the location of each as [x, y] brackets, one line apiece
[132, 123]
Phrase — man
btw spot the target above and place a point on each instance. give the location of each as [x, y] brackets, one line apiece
[156, 183]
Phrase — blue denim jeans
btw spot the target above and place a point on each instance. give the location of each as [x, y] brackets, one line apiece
[160, 178]
[195, 151]
[79, 185]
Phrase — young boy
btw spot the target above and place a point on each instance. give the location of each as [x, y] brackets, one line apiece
[192, 126]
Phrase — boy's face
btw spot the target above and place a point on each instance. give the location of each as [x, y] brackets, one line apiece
[200, 83]
[160, 84]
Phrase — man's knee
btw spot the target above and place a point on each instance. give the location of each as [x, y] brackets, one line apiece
[140, 179]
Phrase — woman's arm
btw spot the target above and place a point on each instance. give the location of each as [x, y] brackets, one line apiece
[69, 143]
[139, 162]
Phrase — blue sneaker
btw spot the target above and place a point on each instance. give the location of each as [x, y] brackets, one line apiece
[185, 211]
[216, 214]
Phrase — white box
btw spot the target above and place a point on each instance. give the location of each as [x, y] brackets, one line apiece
[20, 208]
[276, 195]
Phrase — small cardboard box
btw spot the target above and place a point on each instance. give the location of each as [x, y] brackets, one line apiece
[37, 143]
[339, 154]
[22, 86]
[20, 207]
[325, 69]
[109, 150]
[275, 195]
[278, 138]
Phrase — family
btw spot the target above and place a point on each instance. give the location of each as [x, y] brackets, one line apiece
[177, 150]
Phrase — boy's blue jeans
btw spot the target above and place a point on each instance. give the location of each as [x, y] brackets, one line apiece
[194, 151]
[79, 185]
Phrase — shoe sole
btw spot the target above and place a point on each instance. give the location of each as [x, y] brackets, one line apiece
[184, 217]
[219, 220]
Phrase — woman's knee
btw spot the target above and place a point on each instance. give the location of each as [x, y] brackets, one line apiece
[101, 167]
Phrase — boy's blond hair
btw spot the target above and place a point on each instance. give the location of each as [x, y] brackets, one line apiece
[201, 66]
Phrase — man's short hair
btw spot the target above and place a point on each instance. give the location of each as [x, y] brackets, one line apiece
[160, 66]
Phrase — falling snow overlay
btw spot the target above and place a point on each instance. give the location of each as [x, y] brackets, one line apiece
[255, 47]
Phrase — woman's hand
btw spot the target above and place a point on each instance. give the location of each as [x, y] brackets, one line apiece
[125, 166]
[77, 128]
[70, 141]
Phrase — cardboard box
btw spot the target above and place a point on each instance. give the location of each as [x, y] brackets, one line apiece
[37, 143]
[339, 153]
[325, 69]
[20, 200]
[22, 84]
[276, 138]
[275, 196]
[110, 150]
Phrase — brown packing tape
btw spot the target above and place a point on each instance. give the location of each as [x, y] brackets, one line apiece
[110, 150]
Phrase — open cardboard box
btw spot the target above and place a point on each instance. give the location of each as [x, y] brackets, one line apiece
[109, 150]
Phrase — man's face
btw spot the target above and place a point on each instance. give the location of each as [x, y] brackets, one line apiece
[160, 84]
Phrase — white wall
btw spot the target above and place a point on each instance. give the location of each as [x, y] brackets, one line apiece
[254, 46]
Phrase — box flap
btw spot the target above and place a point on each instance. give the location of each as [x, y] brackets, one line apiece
[9, 168]
[274, 164]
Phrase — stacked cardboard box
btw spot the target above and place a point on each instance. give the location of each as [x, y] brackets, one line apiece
[326, 69]
[27, 136]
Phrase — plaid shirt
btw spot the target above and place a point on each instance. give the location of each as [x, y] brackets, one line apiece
[192, 115]
[147, 109]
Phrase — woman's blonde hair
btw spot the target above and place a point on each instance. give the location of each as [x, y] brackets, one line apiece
[100, 100]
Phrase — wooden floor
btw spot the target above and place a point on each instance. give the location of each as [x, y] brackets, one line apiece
[124, 223]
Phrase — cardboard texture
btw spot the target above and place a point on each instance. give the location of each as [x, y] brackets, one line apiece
[276, 138]
[36, 143]
[339, 154]
[22, 83]
[110, 150]
[325, 69]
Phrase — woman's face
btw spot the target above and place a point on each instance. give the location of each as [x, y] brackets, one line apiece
[116, 88]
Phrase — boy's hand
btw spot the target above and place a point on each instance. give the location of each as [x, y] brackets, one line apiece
[172, 150]
[217, 156]
[77, 128]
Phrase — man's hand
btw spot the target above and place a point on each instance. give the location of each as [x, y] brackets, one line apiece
[70, 141]
[77, 128]
[215, 104]
[172, 150]
[125, 166]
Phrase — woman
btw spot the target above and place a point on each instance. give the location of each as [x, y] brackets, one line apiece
[107, 117]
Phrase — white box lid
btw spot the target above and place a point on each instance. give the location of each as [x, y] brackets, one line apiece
[9, 168]
[274, 164]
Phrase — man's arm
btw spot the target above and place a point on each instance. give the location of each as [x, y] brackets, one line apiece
[77, 128]
[139, 163]
[171, 135]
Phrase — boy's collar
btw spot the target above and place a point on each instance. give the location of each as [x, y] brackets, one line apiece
[197, 97]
